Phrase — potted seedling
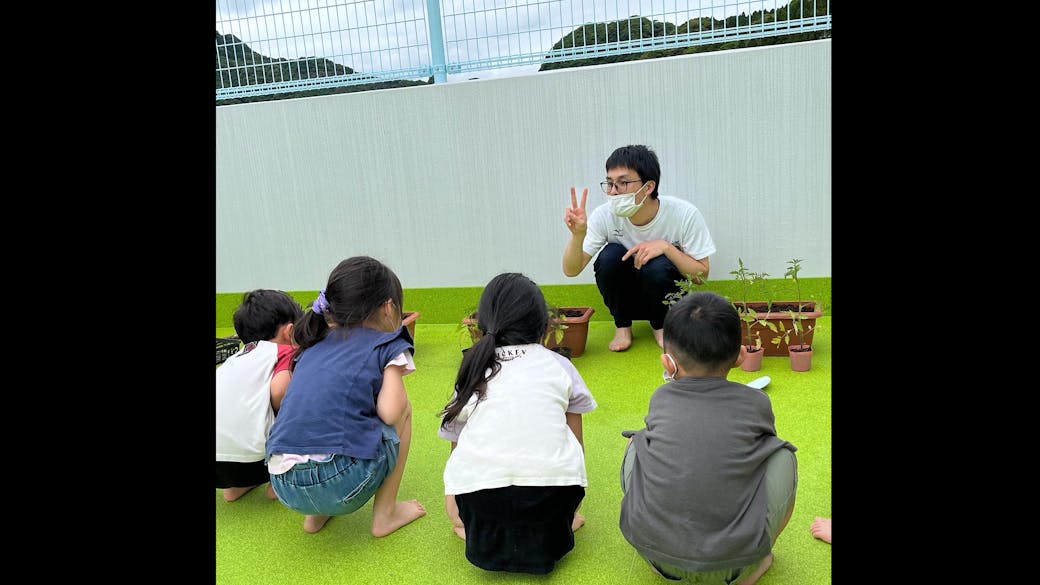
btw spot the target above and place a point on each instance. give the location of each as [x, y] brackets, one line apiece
[468, 326]
[773, 314]
[800, 352]
[752, 338]
[569, 327]
[555, 333]
[686, 286]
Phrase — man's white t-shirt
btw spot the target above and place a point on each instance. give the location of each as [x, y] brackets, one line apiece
[677, 222]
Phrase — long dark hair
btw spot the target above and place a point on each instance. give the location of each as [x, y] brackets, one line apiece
[512, 311]
[357, 287]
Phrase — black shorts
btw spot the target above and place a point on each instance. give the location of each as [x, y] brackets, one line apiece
[521, 529]
[240, 475]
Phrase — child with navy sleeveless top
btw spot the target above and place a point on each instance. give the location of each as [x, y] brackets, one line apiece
[345, 425]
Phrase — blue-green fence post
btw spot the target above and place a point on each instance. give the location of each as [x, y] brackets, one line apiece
[433, 20]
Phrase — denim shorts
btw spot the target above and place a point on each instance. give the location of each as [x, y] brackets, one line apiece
[340, 485]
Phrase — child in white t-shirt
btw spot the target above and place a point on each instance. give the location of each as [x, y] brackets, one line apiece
[250, 387]
[516, 473]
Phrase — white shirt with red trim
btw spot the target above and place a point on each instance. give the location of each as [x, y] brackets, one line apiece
[244, 412]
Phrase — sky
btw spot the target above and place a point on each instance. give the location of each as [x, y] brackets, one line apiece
[391, 35]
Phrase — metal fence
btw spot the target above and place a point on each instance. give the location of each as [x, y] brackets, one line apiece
[276, 46]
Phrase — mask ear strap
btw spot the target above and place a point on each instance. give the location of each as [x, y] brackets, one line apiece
[674, 365]
[644, 197]
[393, 309]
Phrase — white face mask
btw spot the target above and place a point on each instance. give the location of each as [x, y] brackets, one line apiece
[668, 376]
[625, 205]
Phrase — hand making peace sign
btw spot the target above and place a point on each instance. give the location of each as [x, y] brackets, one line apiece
[575, 217]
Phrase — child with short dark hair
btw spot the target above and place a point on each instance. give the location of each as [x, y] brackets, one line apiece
[516, 473]
[708, 486]
[250, 387]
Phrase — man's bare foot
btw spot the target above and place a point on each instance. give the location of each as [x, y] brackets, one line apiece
[270, 493]
[460, 531]
[578, 522]
[622, 339]
[232, 494]
[659, 336]
[404, 512]
[761, 570]
[821, 528]
[314, 523]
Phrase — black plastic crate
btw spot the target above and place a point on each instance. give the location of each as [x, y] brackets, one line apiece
[227, 347]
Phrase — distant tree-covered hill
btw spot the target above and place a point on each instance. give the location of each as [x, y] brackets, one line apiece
[238, 64]
[256, 68]
[637, 27]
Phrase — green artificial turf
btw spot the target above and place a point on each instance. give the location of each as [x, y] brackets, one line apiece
[259, 541]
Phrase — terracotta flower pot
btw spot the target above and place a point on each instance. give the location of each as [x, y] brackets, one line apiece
[801, 361]
[777, 316]
[577, 332]
[409, 320]
[753, 360]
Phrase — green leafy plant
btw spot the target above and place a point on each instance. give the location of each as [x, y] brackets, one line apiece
[556, 327]
[785, 334]
[686, 286]
[748, 280]
[797, 328]
[469, 326]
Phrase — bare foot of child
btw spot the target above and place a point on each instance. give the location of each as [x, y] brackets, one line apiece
[622, 339]
[659, 336]
[270, 493]
[232, 494]
[761, 570]
[578, 522]
[313, 524]
[404, 512]
[821, 528]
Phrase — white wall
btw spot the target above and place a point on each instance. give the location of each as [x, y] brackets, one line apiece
[451, 184]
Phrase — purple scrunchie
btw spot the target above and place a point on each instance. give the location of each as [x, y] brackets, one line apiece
[320, 305]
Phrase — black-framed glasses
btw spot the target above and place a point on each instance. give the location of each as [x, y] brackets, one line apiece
[621, 186]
